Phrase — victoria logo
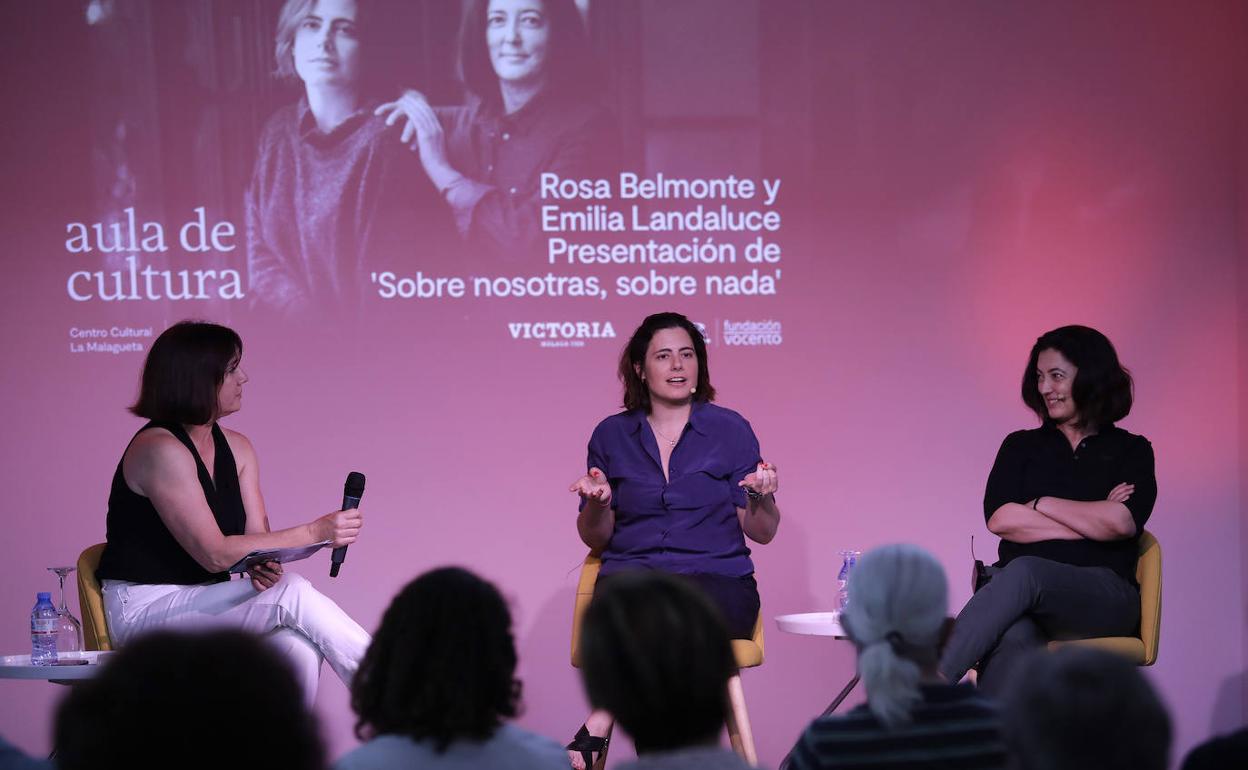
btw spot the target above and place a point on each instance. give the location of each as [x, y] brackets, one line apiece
[560, 333]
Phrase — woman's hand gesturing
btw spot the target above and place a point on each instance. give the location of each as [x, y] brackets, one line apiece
[593, 486]
[765, 480]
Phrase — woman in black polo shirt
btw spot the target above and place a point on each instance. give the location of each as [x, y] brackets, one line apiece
[1068, 500]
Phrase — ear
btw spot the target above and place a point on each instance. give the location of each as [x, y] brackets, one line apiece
[640, 374]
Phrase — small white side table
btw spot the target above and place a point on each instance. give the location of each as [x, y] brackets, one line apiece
[20, 667]
[820, 624]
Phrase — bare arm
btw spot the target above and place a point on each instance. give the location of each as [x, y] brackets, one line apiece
[265, 575]
[160, 468]
[596, 521]
[1059, 518]
[1020, 523]
[1096, 520]
[594, 524]
[249, 482]
[760, 518]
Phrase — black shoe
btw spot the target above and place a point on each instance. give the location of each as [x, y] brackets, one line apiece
[588, 745]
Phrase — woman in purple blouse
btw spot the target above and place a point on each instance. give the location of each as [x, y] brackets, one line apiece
[675, 483]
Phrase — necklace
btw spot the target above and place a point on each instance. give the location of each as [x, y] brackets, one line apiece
[662, 435]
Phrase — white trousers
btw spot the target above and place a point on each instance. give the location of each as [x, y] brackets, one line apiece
[305, 625]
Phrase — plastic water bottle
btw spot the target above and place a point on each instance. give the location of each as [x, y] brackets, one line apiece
[43, 621]
[848, 560]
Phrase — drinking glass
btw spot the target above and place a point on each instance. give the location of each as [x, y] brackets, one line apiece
[849, 558]
[68, 629]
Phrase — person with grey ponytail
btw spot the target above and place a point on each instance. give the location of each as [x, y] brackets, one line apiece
[897, 620]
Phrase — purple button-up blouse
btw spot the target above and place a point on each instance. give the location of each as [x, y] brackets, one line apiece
[687, 524]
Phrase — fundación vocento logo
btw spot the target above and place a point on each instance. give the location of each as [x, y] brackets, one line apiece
[753, 333]
[560, 334]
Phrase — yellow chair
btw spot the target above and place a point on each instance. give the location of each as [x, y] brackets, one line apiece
[748, 652]
[1142, 649]
[91, 601]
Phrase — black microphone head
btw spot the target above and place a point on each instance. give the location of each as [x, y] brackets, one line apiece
[355, 485]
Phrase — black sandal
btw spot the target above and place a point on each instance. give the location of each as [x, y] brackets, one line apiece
[588, 745]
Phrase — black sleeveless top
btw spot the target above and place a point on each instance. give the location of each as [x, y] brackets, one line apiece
[141, 549]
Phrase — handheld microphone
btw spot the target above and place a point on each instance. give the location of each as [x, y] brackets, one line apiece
[352, 491]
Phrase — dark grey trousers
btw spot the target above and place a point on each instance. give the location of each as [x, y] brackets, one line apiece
[1028, 602]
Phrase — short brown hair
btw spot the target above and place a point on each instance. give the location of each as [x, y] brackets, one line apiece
[636, 394]
[184, 370]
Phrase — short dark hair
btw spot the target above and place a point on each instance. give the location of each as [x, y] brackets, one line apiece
[184, 370]
[636, 394]
[569, 67]
[657, 656]
[175, 697]
[1102, 386]
[1083, 709]
[442, 665]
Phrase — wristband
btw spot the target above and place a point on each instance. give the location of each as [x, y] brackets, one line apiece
[753, 495]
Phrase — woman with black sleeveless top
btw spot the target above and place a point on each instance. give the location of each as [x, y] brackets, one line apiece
[186, 504]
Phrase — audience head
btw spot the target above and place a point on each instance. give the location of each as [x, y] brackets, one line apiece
[656, 655]
[896, 618]
[184, 370]
[442, 665]
[1101, 390]
[1220, 751]
[1083, 709]
[189, 700]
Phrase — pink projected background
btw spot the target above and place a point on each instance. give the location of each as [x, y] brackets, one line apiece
[950, 181]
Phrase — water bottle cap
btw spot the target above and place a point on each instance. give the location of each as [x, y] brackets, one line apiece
[43, 596]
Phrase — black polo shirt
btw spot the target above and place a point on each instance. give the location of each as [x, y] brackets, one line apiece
[1040, 463]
